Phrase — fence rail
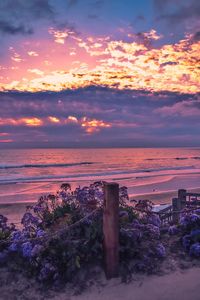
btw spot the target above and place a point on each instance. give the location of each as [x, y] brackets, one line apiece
[185, 200]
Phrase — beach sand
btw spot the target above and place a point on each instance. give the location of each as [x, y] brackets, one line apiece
[177, 285]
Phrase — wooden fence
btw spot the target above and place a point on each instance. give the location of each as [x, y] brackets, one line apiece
[186, 200]
[169, 214]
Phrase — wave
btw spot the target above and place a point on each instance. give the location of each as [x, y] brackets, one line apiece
[174, 158]
[110, 175]
[44, 165]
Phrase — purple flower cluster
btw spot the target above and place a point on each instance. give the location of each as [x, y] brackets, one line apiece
[195, 250]
[30, 222]
[191, 239]
[26, 249]
[152, 231]
[173, 230]
[160, 250]
[47, 272]
[154, 219]
[189, 220]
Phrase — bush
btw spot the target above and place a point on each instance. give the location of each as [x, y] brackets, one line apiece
[62, 234]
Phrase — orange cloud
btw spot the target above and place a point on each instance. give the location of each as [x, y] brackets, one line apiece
[59, 36]
[111, 63]
[71, 119]
[54, 119]
[93, 125]
[36, 71]
[21, 121]
[89, 125]
[32, 53]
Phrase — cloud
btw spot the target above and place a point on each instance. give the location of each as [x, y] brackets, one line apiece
[72, 3]
[16, 16]
[100, 116]
[32, 53]
[109, 63]
[179, 13]
[189, 108]
[7, 28]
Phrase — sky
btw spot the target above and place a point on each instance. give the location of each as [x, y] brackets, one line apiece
[97, 73]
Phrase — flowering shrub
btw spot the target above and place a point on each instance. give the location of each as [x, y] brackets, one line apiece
[62, 234]
[5, 228]
[190, 228]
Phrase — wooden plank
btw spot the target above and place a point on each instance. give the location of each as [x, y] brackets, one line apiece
[182, 194]
[193, 194]
[111, 229]
[176, 205]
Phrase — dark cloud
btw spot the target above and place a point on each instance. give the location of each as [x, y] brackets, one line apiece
[178, 12]
[137, 117]
[169, 63]
[196, 37]
[93, 16]
[17, 17]
[72, 3]
[97, 4]
[8, 28]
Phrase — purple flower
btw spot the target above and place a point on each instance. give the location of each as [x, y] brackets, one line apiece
[123, 214]
[27, 249]
[37, 249]
[189, 220]
[186, 241]
[46, 272]
[160, 251]
[133, 234]
[154, 219]
[195, 250]
[16, 235]
[14, 247]
[153, 231]
[195, 234]
[172, 230]
[29, 220]
[40, 233]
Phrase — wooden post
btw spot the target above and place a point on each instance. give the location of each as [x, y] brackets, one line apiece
[111, 229]
[182, 196]
[176, 207]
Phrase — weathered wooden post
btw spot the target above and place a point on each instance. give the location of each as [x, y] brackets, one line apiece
[182, 196]
[111, 229]
[178, 204]
[176, 207]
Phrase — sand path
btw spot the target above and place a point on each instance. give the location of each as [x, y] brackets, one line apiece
[175, 286]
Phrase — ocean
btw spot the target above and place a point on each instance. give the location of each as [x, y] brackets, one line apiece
[27, 173]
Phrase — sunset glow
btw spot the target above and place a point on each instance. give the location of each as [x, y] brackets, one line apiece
[111, 63]
[96, 71]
